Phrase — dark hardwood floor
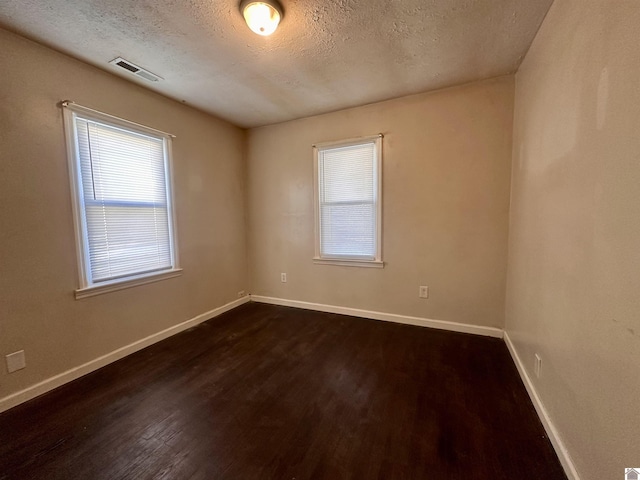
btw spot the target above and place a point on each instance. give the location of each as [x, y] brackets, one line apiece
[267, 392]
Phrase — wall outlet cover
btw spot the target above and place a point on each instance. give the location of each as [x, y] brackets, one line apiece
[16, 361]
[538, 365]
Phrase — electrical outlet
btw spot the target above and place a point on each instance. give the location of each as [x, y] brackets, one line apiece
[283, 277]
[423, 292]
[16, 361]
[241, 294]
[537, 365]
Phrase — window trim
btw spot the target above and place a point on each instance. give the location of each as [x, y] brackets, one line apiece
[86, 287]
[377, 261]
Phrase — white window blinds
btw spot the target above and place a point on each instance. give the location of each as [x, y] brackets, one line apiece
[348, 210]
[124, 200]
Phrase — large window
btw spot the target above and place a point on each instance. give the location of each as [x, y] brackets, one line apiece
[121, 179]
[348, 202]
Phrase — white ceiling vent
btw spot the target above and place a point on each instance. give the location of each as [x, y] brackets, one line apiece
[135, 69]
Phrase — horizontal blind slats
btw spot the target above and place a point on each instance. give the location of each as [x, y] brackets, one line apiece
[125, 201]
[347, 173]
[347, 200]
[348, 230]
[122, 165]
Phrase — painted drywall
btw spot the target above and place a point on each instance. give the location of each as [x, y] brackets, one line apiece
[574, 256]
[38, 273]
[446, 173]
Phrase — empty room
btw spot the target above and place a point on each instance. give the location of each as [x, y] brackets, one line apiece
[341, 239]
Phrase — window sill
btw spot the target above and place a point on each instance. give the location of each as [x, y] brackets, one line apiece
[128, 283]
[349, 263]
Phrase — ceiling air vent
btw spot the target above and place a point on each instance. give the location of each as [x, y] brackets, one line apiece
[135, 69]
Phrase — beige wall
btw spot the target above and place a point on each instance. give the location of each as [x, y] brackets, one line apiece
[446, 173]
[574, 250]
[38, 274]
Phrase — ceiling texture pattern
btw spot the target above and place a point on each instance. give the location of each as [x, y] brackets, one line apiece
[326, 55]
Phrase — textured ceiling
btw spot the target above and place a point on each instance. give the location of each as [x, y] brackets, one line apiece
[326, 55]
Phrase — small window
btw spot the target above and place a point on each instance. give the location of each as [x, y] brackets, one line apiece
[348, 202]
[121, 179]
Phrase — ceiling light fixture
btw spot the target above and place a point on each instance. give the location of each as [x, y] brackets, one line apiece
[262, 17]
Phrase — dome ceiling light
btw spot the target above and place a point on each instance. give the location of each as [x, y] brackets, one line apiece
[262, 17]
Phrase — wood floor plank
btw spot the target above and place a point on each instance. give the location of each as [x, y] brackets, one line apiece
[267, 392]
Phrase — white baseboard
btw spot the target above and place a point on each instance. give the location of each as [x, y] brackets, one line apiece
[552, 432]
[387, 317]
[77, 372]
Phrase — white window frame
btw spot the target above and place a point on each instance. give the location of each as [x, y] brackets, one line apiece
[376, 262]
[87, 288]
